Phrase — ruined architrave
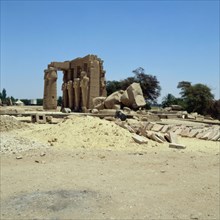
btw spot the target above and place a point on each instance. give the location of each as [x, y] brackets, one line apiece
[83, 80]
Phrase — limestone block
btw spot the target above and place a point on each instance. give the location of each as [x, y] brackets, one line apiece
[189, 116]
[216, 137]
[165, 128]
[133, 122]
[95, 111]
[66, 110]
[139, 139]
[157, 138]
[125, 99]
[127, 110]
[129, 128]
[194, 132]
[172, 137]
[38, 118]
[113, 99]
[201, 133]
[179, 130]
[213, 133]
[153, 117]
[185, 132]
[98, 100]
[157, 127]
[149, 126]
[159, 135]
[117, 107]
[173, 128]
[135, 95]
[206, 134]
[100, 106]
[177, 146]
[109, 118]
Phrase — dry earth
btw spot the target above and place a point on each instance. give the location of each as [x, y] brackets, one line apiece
[88, 168]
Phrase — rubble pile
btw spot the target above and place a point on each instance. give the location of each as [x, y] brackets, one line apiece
[86, 132]
[8, 123]
[158, 132]
[12, 144]
[132, 97]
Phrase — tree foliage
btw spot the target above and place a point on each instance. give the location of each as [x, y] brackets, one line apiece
[214, 109]
[149, 84]
[59, 101]
[113, 86]
[3, 94]
[197, 98]
[169, 100]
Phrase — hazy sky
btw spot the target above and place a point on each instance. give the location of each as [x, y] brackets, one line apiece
[173, 40]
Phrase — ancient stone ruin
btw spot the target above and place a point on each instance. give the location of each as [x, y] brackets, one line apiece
[132, 97]
[83, 80]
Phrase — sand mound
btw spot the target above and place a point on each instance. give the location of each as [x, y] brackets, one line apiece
[88, 132]
[8, 123]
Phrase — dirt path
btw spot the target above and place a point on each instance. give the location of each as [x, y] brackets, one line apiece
[95, 184]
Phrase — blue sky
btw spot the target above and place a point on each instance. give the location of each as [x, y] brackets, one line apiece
[173, 40]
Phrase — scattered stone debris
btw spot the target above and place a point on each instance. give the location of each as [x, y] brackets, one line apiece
[131, 98]
[178, 146]
[139, 139]
[19, 157]
[39, 118]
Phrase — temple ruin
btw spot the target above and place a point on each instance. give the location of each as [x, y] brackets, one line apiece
[83, 80]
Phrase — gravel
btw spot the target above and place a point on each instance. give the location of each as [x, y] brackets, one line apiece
[11, 144]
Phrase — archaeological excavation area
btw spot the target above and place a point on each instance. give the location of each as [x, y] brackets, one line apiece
[105, 157]
[139, 165]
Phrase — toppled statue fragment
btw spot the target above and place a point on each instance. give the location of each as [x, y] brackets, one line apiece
[132, 98]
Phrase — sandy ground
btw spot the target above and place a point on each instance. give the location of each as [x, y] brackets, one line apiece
[88, 170]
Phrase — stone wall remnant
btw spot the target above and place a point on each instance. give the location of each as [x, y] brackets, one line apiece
[83, 80]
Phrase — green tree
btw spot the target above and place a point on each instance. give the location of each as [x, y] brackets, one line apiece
[113, 86]
[59, 101]
[169, 100]
[149, 84]
[4, 94]
[197, 98]
[214, 109]
[40, 102]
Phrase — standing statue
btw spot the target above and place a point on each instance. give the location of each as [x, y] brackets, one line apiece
[84, 84]
[65, 95]
[76, 86]
[70, 93]
[103, 84]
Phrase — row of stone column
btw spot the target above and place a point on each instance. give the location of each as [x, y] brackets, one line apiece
[76, 92]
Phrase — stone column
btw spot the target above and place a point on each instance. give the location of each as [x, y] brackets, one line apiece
[94, 89]
[65, 95]
[76, 86]
[84, 84]
[69, 75]
[50, 92]
[70, 93]
[45, 105]
[103, 91]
